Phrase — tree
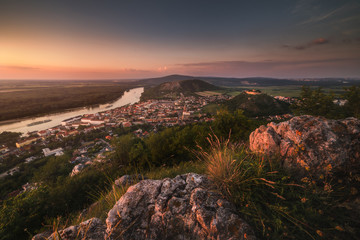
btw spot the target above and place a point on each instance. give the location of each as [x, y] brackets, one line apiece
[9, 138]
[352, 96]
[315, 102]
[123, 144]
[55, 167]
[239, 125]
[139, 155]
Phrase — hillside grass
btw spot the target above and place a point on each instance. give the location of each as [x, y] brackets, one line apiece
[105, 199]
[277, 204]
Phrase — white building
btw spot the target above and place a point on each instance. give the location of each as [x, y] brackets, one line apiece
[56, 152]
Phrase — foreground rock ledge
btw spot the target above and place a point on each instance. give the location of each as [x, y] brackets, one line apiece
[310, 143]
[180, 208]
[183, 208]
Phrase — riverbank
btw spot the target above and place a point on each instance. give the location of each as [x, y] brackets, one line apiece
[128, 97]
[38, 100]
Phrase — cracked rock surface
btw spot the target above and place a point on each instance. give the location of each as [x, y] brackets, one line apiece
[180, 208]
[310, 143]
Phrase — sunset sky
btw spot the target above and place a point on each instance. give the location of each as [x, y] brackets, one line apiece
[120, 39]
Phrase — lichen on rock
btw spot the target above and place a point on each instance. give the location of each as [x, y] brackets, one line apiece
[184, 207]
[310, 143]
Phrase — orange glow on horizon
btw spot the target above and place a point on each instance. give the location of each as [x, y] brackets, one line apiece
[48, 73]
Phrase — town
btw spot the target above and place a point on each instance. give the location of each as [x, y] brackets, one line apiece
[152, 114]
[142, 117]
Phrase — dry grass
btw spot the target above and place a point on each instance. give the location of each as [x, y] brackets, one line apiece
[277, 205]
[231, 165]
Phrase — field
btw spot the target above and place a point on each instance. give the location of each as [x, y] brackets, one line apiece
[31, 98]
[209, 93]
[286, 91]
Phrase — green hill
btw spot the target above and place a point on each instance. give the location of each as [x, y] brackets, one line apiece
[257, 105]
[175, 89]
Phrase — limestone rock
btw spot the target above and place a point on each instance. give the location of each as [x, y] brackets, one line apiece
[184, 207]
[310, 143]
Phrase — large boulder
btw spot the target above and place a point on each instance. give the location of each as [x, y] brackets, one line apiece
[184, 207]
[310, 143]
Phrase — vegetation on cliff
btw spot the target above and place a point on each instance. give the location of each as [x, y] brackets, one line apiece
[258, 105]
[279, 204]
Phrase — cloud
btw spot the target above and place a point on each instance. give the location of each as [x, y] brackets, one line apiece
[324, 16]
[350, 19]
[320, 41]
[54, 72]
[315, 42]
[291, 68]
[19, 67]
[261, 63]
[303, 5]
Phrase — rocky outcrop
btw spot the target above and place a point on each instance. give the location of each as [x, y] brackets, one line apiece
[184, 207]
[310, 143]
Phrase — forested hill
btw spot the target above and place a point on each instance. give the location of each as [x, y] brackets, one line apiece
[257, 105]
[174, 89]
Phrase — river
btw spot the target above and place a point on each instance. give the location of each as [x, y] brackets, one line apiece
[129, 97]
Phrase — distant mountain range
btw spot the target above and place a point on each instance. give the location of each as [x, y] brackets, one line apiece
[173, 89]
[251, 81]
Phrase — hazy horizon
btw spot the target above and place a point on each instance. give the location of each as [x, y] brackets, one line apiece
[128, 40]
[170, 75]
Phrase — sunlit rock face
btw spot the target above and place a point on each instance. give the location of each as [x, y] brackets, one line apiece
[310, 143]
[184, 207]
